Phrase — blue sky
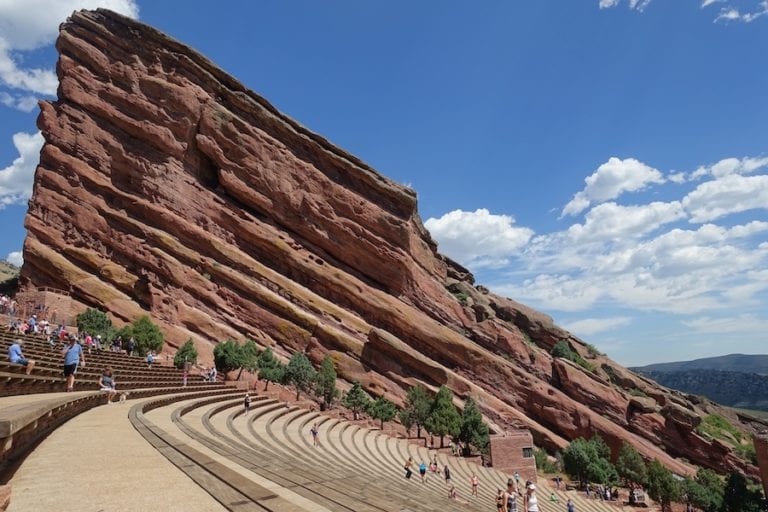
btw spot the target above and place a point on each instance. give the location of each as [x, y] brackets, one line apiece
[605, 161]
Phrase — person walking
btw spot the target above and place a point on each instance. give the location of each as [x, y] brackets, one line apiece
[510, 497]
[73, 355]
[247, 403]
[315, 432]
[447, 473]
[571, 506]
[130, 346]
[474, 482]
[531, 500]
[407, 467]
[150, 359]
[423, 472]
[16, 356]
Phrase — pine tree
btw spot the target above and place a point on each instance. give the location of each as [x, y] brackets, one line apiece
[444, 419]
[148, 336]
[418, 406]
[473, 430]
[325, 385]
[630, 466]
[249, 352]
[187, 353]
[300, 373]
[227, 356]
[382, 409]
[662, 487]
[356, 399]
[270, 369]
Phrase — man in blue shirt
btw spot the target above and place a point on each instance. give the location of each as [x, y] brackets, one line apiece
[73, 354]
[15, 356]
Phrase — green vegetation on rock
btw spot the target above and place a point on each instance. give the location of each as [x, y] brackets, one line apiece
[563, 350]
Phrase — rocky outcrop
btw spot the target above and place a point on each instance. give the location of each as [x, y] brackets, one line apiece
[166, 187]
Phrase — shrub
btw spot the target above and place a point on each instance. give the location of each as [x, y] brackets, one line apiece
[589, 461]
[461, 297]
[187, 353]
[543, 463]
[563, 350]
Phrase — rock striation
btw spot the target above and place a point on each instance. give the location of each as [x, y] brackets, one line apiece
[166, 187]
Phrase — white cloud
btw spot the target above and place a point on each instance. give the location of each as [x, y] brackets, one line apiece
[732, 14]
[677, 177]
[729, 166]
[707, 3]
[745, 323]
[610, 180]
[590, 326]
[480, 237]
[638, 5]
[30, 24]
[15, 258]
[23, 102]
[16, 179]
[731, 194]
[610, 220]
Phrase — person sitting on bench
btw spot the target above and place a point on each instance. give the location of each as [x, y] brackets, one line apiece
[15, 356]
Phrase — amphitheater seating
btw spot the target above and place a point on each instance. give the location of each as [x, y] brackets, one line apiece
[354, 469]
[265, 461]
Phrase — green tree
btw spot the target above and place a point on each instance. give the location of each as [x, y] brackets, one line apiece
[406, 419]
[94, 322]
[418, 405]
[543, 463]
[661, 485]
[187, 353]
[444, 419]
[473, 430]
[300, 373]
[630, 466]
[737, 497]
[250, 354]
[325, 385]
[356, 399]
[382, 409]
[705, 491]
[228, 356]
[589, 461]
[148, 336]
[270, 369]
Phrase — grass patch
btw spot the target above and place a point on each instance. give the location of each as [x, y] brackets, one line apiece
[746, 451]
[563, 349]
[461, 297]
[715, 426]
[592, 350]
[638, 392]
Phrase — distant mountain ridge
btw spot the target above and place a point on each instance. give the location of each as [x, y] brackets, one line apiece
[735, 389]
[741, 363]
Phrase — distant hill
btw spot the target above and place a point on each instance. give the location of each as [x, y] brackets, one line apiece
[741, 363]
[9, 277]
[735, 389]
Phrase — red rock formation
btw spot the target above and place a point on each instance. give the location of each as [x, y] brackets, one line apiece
[167, 187]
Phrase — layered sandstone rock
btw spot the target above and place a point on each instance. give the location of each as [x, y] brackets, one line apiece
[166, 187]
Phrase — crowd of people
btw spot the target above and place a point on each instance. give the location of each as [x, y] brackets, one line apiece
[8, 306]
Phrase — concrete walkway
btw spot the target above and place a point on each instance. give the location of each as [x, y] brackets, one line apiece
[97, 462]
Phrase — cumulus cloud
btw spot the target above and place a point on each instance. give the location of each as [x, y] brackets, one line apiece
[611, 221]
[590, 326]
[15, 258]
[610, 180]
[478, 238]
[731, 194]
[23, 102]
[729, 166]
[30, 24]
[16, 179]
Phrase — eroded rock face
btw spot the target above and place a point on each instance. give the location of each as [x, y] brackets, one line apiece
[166, 187]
